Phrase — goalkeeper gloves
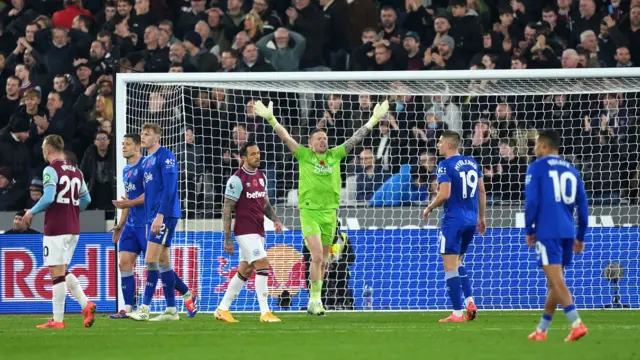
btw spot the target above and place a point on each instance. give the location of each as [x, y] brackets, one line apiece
[265, 112]
[378, 113]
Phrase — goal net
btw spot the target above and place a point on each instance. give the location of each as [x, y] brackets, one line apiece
[389, 259]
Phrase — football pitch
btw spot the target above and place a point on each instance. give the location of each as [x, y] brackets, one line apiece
[613, 335]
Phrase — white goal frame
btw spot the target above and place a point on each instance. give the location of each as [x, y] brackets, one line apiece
[191, 79]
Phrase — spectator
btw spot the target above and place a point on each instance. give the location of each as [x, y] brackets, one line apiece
[481, 145]
[23, 73]
[19, 227]
[627, 34]
[335, 119]
[64, 18]
[570, 59]
[61, 85]
[13, 151]
[35, 192]
[141, 18]
[308, 20]
[466, 32]
[10, 102]
[388, 57]
[98, 168]
[229, 60]
[10, 195]
[446, 58]
[335, 42]
[189, 19]
[275, 48]
[167, 26]
[252, 61]
[385, 144]
[390, 28]
[152, 58]
[427, 134]
[623, 58]
[448, 112]
[60, 120]
[270, 19]
[192, 159]
[411, 44]
[419, 21]
[370, 177]
[588, 19]
[252, 25]
[505, 180]
[410, 186]
[199, 58]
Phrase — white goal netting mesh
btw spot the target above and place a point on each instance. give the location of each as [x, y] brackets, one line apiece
[390, 260]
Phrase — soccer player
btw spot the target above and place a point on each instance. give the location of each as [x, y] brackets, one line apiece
[162, 211]
[246, 195]
[65, 195]
[131, 230]
[319, 190]
[461, 191]
[553, 189]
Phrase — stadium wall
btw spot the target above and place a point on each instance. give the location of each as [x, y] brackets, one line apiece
[401, 266]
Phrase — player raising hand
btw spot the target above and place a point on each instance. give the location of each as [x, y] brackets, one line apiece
[319, 190]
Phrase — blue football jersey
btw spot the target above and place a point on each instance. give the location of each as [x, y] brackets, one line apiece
[463, 173]
[133, 176]
[553, 189]
[161, 185]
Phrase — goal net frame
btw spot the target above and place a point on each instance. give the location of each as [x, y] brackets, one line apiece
[454, 83]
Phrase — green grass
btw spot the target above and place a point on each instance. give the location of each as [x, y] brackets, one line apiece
[613, 335]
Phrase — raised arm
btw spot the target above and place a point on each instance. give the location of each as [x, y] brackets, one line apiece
[283, 134]
[378, 112]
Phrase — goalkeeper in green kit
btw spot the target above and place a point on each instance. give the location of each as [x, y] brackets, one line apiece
[319, 190]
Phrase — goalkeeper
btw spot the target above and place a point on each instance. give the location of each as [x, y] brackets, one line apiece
[319, 190]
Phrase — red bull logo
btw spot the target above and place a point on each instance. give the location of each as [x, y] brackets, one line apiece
[24, 279]
[286, 272]
[185, 261]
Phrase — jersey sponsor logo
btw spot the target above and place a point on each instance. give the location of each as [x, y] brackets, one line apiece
[129, 186]
[256, 195]
[148, 177]
[170, 163]
[321, 169]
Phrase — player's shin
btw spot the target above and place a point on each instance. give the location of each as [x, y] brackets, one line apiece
[233, 289]
[128, 286]
[152, 281]
[262, 289]
[168, 285]
[76, 289]
[454, 289]
[466, 285]
[180, 286]
[59, 295]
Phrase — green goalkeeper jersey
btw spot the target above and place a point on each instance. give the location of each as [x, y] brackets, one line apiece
[320, 181]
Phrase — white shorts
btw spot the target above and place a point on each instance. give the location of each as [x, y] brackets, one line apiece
[58, 250]
[251, 247]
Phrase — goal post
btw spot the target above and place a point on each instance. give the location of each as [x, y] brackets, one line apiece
[392, 261]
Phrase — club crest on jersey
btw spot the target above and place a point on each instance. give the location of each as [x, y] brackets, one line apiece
[153, 161]
[261, 180]
[135, 172]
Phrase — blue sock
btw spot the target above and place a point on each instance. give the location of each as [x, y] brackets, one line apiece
[168, 285]
[128, 286]
[464, 281]
[152, 281]
[545, 321]
[572, 314]
[454, 288]
[180, 285]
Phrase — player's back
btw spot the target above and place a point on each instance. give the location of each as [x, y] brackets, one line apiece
[560, 188]
[250, 203]
[63, 215]
[133, 177]
[462, 206]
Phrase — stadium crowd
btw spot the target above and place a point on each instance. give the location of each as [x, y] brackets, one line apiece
[58, 61]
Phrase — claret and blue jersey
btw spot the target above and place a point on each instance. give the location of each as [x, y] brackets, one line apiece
[553, 189]
[460, 216]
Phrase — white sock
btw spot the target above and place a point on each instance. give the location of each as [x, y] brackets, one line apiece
[233, 289]
[457, 313]
[468, 301]
[128, 308]
[576, 323]
[186, 296]
[59, 293]
[76, 289]
[262, 291]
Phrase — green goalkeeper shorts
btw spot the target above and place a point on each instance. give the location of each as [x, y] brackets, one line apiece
[319, 222]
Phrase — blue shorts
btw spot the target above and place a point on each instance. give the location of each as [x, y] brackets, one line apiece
[455, 239]
[166, 232]
[133, 239]
[554, 251]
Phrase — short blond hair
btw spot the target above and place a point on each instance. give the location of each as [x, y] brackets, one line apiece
[153, 127]
[55, 142]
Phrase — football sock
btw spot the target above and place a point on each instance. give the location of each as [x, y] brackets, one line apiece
[59, 294]
[76, 290]
[168, 285]
[262, 290]
[182, 288]
[233, 289]
[453, 288]
[128, 286]
[572, 315]
[152, 281]
[316, 290]
[545, 321]
[466, 285]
